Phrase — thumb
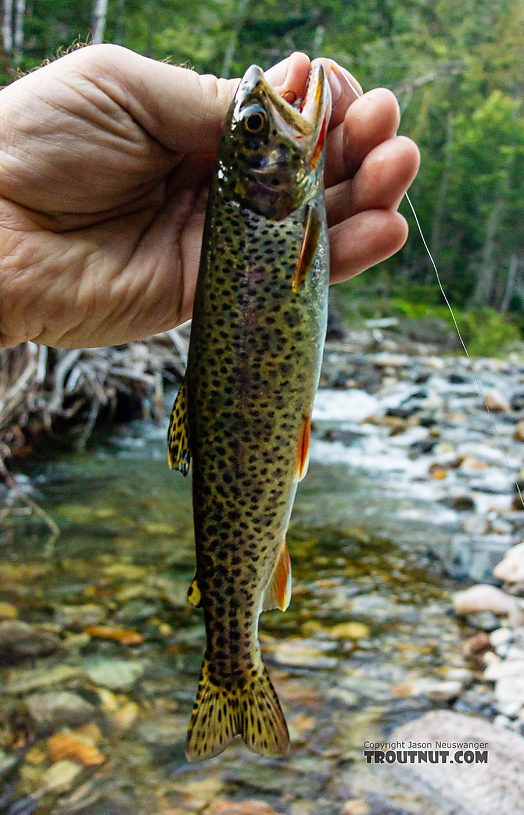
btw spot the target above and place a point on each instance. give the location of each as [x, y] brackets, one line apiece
[181, 109]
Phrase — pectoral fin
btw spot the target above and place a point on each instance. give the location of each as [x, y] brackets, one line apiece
[312, 232]
[278, 590]
[178, 450]
[303, 448]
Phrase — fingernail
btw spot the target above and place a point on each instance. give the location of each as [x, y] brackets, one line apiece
[334, 84]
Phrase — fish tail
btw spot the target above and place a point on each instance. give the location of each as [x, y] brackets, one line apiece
[221, 713]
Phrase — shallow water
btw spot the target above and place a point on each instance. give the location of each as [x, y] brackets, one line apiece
[369, 616]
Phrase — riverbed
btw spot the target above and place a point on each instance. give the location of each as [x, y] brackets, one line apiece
[95, 705]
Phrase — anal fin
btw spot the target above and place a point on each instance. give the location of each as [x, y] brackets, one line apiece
[178, 449]
[310, 240]
[277, 593]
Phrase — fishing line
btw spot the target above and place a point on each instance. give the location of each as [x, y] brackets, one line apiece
[455, 323]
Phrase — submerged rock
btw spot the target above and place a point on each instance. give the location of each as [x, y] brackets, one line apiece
[19, 640]
[60, 709]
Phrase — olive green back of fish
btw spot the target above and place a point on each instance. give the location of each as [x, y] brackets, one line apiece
[243, 417]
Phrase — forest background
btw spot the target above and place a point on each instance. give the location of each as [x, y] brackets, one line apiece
[456, 68]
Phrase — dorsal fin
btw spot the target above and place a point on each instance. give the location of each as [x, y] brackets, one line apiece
[277, 593]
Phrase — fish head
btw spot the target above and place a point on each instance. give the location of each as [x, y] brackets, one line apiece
[271, 155]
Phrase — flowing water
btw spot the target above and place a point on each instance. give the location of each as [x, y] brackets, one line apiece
[369, 618]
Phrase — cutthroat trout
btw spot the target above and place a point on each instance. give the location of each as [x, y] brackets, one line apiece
[242, 416]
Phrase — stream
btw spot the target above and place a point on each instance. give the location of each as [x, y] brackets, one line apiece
[408, 496]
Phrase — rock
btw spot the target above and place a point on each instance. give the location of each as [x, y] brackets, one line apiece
[163, 728]
[221, 806]
[126, 636]
[484, 597]
[125, 717]
[496, 401]
[435, 689]
[460, 502]
[8, 611]
[517, 401]
[355, 807]
[477, 645]
[22, 681]
[511, 567]
[350, 631]
[509, 694]
[7, 762]
[60, 776]
[74, 746]
[501, 639]
[467, 788]
[60, 709]
[79, 617]
[19, 640]
[485, 620]
[503, 668]
[114, 673]
[518, 433]
[475, 524]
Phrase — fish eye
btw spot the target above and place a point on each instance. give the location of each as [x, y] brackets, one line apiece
[254, 121]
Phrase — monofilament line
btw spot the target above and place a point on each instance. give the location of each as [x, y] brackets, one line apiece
[455, 323]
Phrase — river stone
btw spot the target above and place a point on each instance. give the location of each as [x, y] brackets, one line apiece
[484, 597]
[509, 693]
[80, 617]
[511, 567]
[496, 401]
[19, 640]
[467, 789]
[114, 673]
[61, 709]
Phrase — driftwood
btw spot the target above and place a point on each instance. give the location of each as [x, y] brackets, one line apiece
[42, 389]
[45, 390]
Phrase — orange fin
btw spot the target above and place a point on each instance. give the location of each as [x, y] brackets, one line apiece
[178, 450]
[277, 593]
[309, 244]
[303, 448]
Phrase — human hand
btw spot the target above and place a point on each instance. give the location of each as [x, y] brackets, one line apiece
[105, 159]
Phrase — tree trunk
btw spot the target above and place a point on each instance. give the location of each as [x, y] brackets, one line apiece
[484, 286]
[440, 203]
[233, 41]
[510, 285]
[98, 23]
[7, 25]
[19, 27]
[318, 39]
[120, 21]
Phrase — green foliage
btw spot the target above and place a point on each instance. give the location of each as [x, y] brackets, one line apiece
[485, 331]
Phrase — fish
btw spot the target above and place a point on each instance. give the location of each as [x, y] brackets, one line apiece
[241, 420]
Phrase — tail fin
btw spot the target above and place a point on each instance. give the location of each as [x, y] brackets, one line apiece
[219, 715]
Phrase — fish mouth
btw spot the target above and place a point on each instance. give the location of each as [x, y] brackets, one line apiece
[311, 119]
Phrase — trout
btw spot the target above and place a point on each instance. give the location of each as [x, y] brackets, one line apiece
[242, 415]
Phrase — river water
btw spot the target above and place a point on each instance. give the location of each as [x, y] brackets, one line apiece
[367, 643]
